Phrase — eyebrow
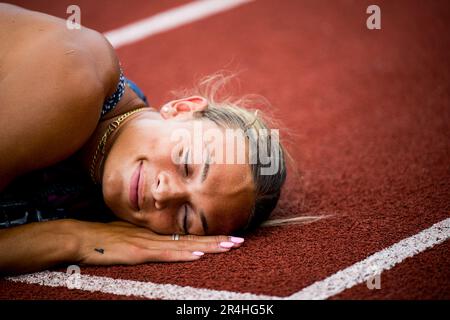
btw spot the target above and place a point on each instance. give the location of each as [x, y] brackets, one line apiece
[205, 169]
[204, 175]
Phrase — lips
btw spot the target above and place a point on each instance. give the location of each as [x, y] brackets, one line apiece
[134, 188]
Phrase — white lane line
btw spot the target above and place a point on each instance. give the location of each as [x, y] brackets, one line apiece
[168, 20]
[132, 288]
[376, 263]
[324, 289]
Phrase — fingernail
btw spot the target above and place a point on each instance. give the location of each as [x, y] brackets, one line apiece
[198, 253]
[236, 239]
[226, 244]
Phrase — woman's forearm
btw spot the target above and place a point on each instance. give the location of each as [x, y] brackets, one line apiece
[37, 246]
[41, 245]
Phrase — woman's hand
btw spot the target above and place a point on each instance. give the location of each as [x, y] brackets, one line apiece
[125, 243]
[38, 246]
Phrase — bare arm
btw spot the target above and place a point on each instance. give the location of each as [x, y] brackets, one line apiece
[41, 245]
[36, 246]
[53, 82]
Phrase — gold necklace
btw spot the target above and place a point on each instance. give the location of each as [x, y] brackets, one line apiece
[102, 144]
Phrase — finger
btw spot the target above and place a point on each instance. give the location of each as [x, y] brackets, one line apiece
[136, 255]
[220, 239]
[167, 255]
[210, 239]
[185, 245]
[208, 247]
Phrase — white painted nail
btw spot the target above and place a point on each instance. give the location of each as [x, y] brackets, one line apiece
[226, 244]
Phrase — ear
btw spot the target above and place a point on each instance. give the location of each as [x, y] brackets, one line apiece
[183, 107]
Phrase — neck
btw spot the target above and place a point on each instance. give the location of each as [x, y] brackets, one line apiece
[93, 154]
[85, 155]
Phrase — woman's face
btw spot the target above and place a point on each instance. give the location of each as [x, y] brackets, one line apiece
[143, 184]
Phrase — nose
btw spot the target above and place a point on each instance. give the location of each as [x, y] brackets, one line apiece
[168, 190]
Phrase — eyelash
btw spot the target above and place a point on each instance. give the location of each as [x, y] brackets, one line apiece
[186, 166]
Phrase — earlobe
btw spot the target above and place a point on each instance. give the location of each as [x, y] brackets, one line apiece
[166, 111]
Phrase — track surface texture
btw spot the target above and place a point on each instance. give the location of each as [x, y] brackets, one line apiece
[365, 113]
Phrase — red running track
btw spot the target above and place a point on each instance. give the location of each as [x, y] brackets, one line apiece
[368, 114]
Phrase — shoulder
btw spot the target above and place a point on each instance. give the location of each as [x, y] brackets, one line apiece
[85, 60]
[52, 98]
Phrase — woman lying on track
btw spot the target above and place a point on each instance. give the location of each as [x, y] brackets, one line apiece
[75, 134]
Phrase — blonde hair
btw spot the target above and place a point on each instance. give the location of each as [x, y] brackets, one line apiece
[245, 113]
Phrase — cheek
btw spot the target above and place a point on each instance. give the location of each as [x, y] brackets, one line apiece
[112, 189]
[160, 157]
